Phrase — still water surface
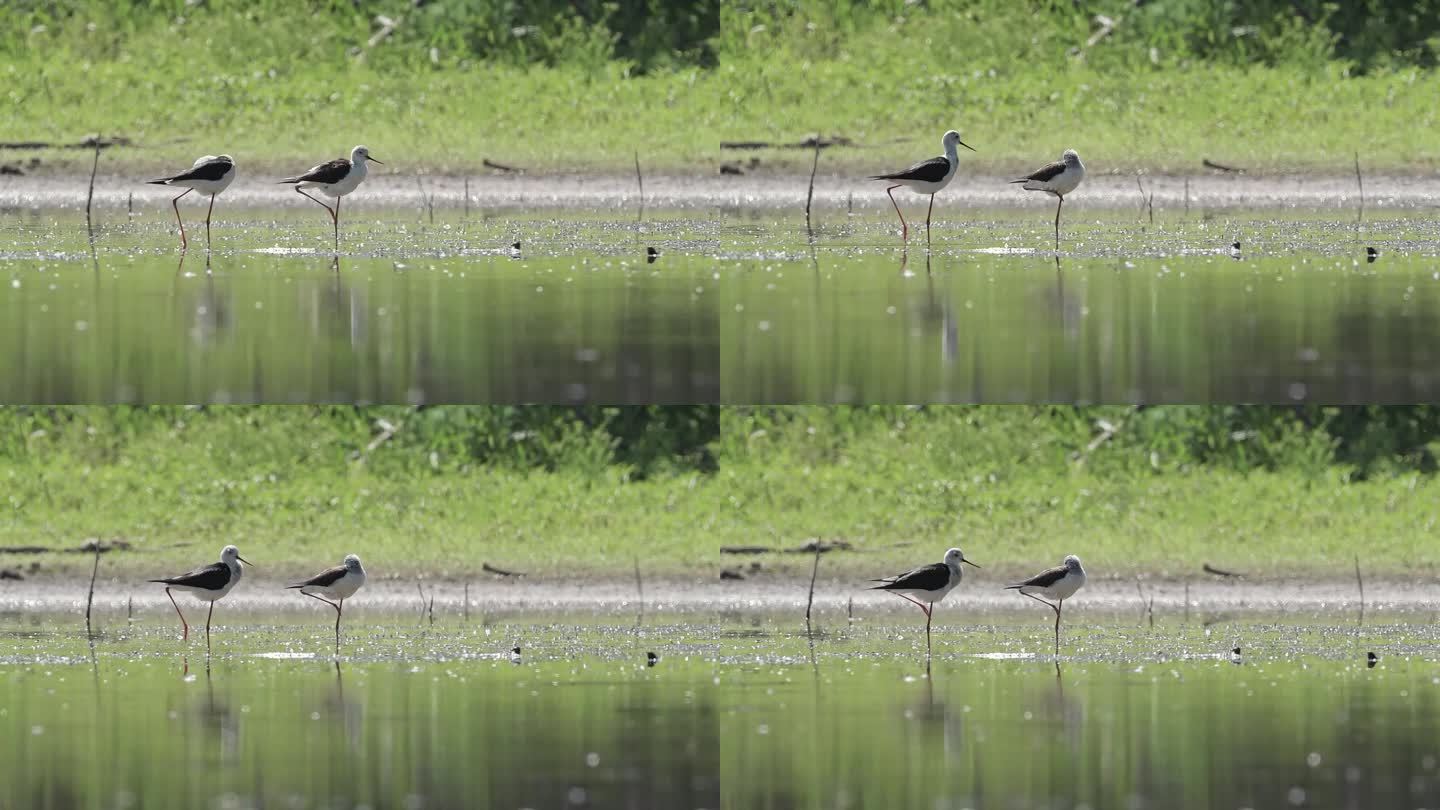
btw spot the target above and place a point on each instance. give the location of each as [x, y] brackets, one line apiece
[408, 717]
[406, 314]
[1128, 313]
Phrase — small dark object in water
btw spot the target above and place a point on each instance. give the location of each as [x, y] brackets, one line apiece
[730, 573]
[10, 168]
[651, 659]
[731, 168]
[1371, 254]
[1371, 659]
[514, 650]
[7, 573]
[651, 254]
[514, 245]
[1210, 164]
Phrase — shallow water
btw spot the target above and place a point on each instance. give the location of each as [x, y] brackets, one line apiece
[1127, 312]
[408, 716]
[406, 313]
[743, 305]
[1131, 716]
[741, 710]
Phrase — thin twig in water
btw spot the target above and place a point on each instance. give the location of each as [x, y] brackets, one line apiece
[90, 597]
[130, 609]
[1187, 195]
[1359, 181]
[1361, 583]
[850, 609]
[420, 589]
[814, 570]
[639, 585]
[1187, 601]
[467, 197]
[90, 195]
[810, 192]
[640, 178]
[465, 609]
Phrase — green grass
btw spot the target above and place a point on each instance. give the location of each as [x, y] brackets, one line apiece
[295, 487]
[279, 92]
[1250, 489]
[1177, 488]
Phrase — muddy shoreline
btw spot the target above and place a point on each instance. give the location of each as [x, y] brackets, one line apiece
[833, 192]
[832, 598]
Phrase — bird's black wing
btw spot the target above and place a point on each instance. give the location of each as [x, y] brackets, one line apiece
[928, 171]
[212, 577]
[323, 579]
[1044, 579]
[931, 577]
[328, 173]
[211, 170]
[1048, 172]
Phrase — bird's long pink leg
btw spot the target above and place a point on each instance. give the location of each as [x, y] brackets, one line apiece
[337, 223]
[1057, 219]
[175, 203]
[302, 193]
[927, 218]
[185, 634]
[208, 212]
[914, 602]
[207, 622]
[904, 228]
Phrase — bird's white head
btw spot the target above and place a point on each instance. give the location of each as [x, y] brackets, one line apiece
[360, 154]
[230, 554]
[1071, 157]
[955, 556]
[952, 139]
[352, 562]
[1072, 562]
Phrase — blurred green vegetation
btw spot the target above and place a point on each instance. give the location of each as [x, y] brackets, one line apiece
[581, 85]
[532, 488]
[1271, 491]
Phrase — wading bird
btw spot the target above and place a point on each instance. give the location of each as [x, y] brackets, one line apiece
[926, 585]
[211, 175]
[334, 179]
[333, 586]
[208, 584]
[926, 177]
[1058, 178]
[1058, 584]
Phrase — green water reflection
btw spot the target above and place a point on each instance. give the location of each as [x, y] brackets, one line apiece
[862, 730]
[452, 728]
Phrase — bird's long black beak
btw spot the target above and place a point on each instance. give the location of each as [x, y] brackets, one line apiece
[382, 163]
[972, 149]
[967, 562]
[242, 559]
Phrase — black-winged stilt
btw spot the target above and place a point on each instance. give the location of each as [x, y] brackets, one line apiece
[334, 179]
[926, 177]
[208, 584]
[334, 585]
[1058, 178]
[211, 175]
[930, 583]
[1058, 584]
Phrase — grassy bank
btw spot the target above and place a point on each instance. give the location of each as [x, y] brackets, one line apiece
[534, 490]
[283, 84]
[1254, 490]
